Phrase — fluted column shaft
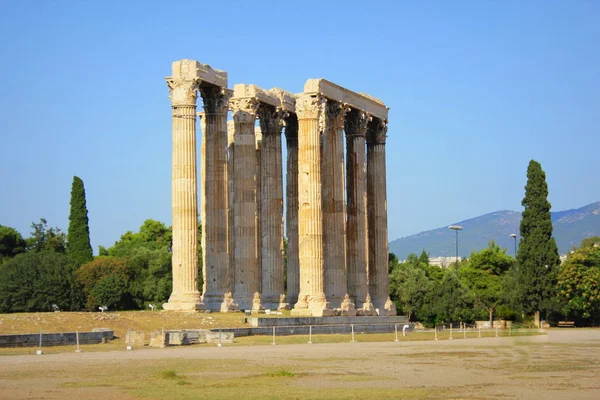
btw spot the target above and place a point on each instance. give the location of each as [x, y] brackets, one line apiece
[244, 203]
[230, 196]
[334, 204]
[309, 109]
[214, 164]
[377, 214]
[272, 284]
[293, 267]
[356, 224]
[185, 294]
[258, 191]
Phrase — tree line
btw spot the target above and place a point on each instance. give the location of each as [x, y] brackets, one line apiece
[51, 268]
[490, 284]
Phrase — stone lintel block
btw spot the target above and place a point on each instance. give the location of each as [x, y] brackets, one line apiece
[219, 337]
[359, 101]
[190, 69]
[242, 91]
[287, 99]
[135, 338]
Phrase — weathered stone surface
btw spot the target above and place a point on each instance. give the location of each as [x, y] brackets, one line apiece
[334, 203]
[219, 337]
[256, 303]
[356, 208]
[272, 283]
[377, 216]
[183, 86]
[309, 109]
[244, 229]
[337, 250]
[228, 304]
[157, 339]
[215, 194]
[367, 308]
[293, 267]
[135, 338]
[359, 101]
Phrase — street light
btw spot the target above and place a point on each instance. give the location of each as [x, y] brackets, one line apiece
[512, 235]
[456, 228]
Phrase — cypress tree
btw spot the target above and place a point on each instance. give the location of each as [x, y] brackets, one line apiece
[537, 257]
[79, 248]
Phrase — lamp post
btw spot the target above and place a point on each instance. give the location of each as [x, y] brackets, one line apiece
[456, 228]
[512, 235]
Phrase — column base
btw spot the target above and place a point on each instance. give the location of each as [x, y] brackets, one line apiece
[184, 302]
[307, 312]
[212, 302]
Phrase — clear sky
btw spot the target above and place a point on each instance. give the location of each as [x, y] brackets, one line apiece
[476, 90]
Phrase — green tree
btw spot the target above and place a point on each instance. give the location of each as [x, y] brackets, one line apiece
[35, 280]
[96, 272]
[537, 257]
[453, 300]
[590, 242]
[44, 238]
[484, 276]
[408, 288]
[578, 284]
[424, 258]
[11, 243]
[111, 291]
[78, 235]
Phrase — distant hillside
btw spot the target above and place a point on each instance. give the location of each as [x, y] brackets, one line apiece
[570, 228]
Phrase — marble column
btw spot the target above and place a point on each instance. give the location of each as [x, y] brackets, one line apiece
[311, 300]
[377, 216]
[244, 202]
[230, 195]
[185, 294]
[258, 190]
[291, 212]
[334, 204]
[215, 228]
[356, 197]
[272, 284]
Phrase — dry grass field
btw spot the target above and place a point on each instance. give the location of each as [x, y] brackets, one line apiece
[120, 321]
[562, 364]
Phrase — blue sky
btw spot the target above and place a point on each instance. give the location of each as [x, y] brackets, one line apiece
[476, 90]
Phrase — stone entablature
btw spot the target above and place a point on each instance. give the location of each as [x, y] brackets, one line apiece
[359, 101]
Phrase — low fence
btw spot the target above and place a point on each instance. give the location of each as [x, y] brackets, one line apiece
[55, 339]
[397, 332]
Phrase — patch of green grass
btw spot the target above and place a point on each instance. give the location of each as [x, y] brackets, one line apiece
[282, 373]
[168, 374]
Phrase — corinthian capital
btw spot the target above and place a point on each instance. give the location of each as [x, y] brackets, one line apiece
[309, 105]
[183, 91]
[356, 123]
[336, 113]
[271, 119]
[377, 131]
[216, 99]
[244, 110]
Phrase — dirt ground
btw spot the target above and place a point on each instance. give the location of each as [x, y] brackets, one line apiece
[565, 364]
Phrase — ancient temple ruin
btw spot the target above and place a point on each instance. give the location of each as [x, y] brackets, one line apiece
[336, 211]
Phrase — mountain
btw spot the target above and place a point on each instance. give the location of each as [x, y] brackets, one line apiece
[570, 228]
